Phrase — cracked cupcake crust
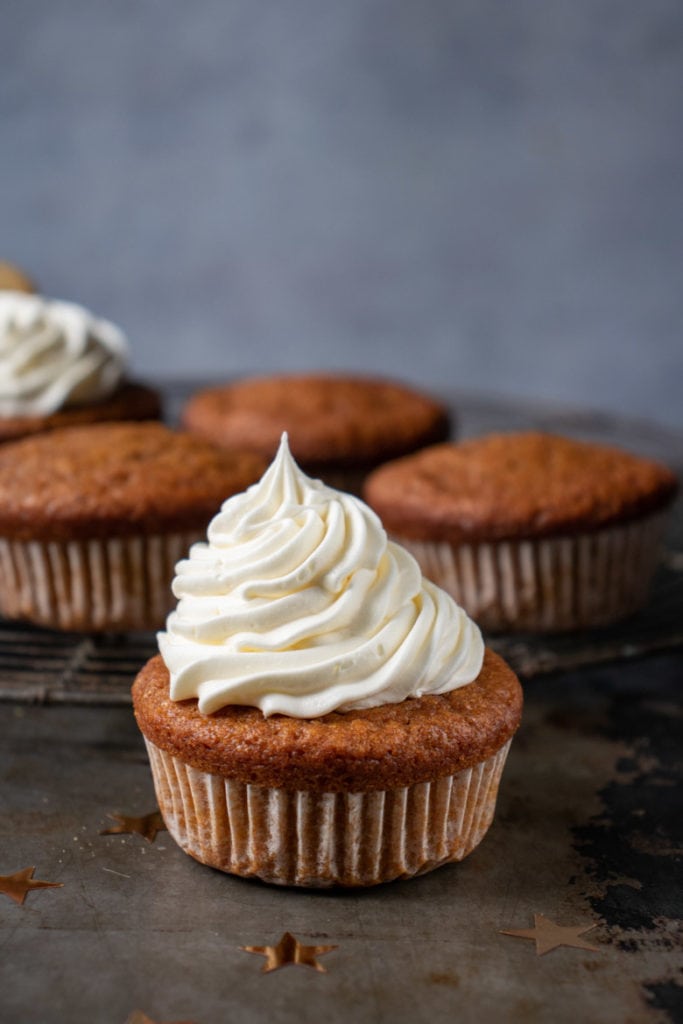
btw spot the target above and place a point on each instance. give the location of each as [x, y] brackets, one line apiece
[394, 745]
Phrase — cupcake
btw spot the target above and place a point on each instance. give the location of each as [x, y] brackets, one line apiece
[13, 279]
[93, 519]
[339, 427]
[530, 531]
[319, 713]
[60, 366]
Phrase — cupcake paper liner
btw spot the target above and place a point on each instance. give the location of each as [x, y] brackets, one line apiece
[116, 583]
[324, 839]
[553, 583]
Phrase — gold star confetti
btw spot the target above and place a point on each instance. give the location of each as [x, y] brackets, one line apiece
[290, 951]
[147, 826]
[138, 1017]
[547, 935]
[21, 882]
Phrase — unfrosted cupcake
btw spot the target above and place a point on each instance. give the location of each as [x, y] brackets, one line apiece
[339, 427]
[93, 519]
[61, 366]
[530, 531]
[320, 714]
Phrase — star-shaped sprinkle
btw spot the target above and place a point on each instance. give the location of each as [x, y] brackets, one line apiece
[147, 826]
[16, 886]
[290, 951]
[548, 936]
[138, 1017]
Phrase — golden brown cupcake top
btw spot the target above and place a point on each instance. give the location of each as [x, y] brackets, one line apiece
[115, 479]
[331, 420]
[131, 401]
[13, 278]
[515, 486]
[385, 747]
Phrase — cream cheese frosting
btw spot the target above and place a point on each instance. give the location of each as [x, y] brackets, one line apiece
[54, 355]
[300, 605]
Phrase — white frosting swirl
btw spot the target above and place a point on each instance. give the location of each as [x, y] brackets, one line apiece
[299, 604]
[54, 355]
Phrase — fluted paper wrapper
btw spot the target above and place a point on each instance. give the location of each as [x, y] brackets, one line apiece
[115, 583]
[325, 839]
[552, 583]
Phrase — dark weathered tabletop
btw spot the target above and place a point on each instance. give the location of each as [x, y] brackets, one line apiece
[587, 834]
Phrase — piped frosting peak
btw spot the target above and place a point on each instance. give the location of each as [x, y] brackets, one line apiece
[299, 604]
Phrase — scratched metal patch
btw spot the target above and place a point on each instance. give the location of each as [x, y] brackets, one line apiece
[632, 845]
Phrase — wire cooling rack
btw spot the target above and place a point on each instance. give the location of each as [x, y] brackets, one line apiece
[40, 665]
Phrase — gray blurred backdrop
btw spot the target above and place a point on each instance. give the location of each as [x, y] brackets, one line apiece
[475, 195]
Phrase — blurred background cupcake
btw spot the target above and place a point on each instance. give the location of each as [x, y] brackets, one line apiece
[530, 531]
[340, 426]
[14, 279]
[94, 518]
[61, 366]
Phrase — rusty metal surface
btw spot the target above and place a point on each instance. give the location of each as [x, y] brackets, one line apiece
[588, 830]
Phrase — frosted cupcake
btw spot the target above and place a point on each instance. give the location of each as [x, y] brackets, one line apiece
[61, 366]
[320, 714]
